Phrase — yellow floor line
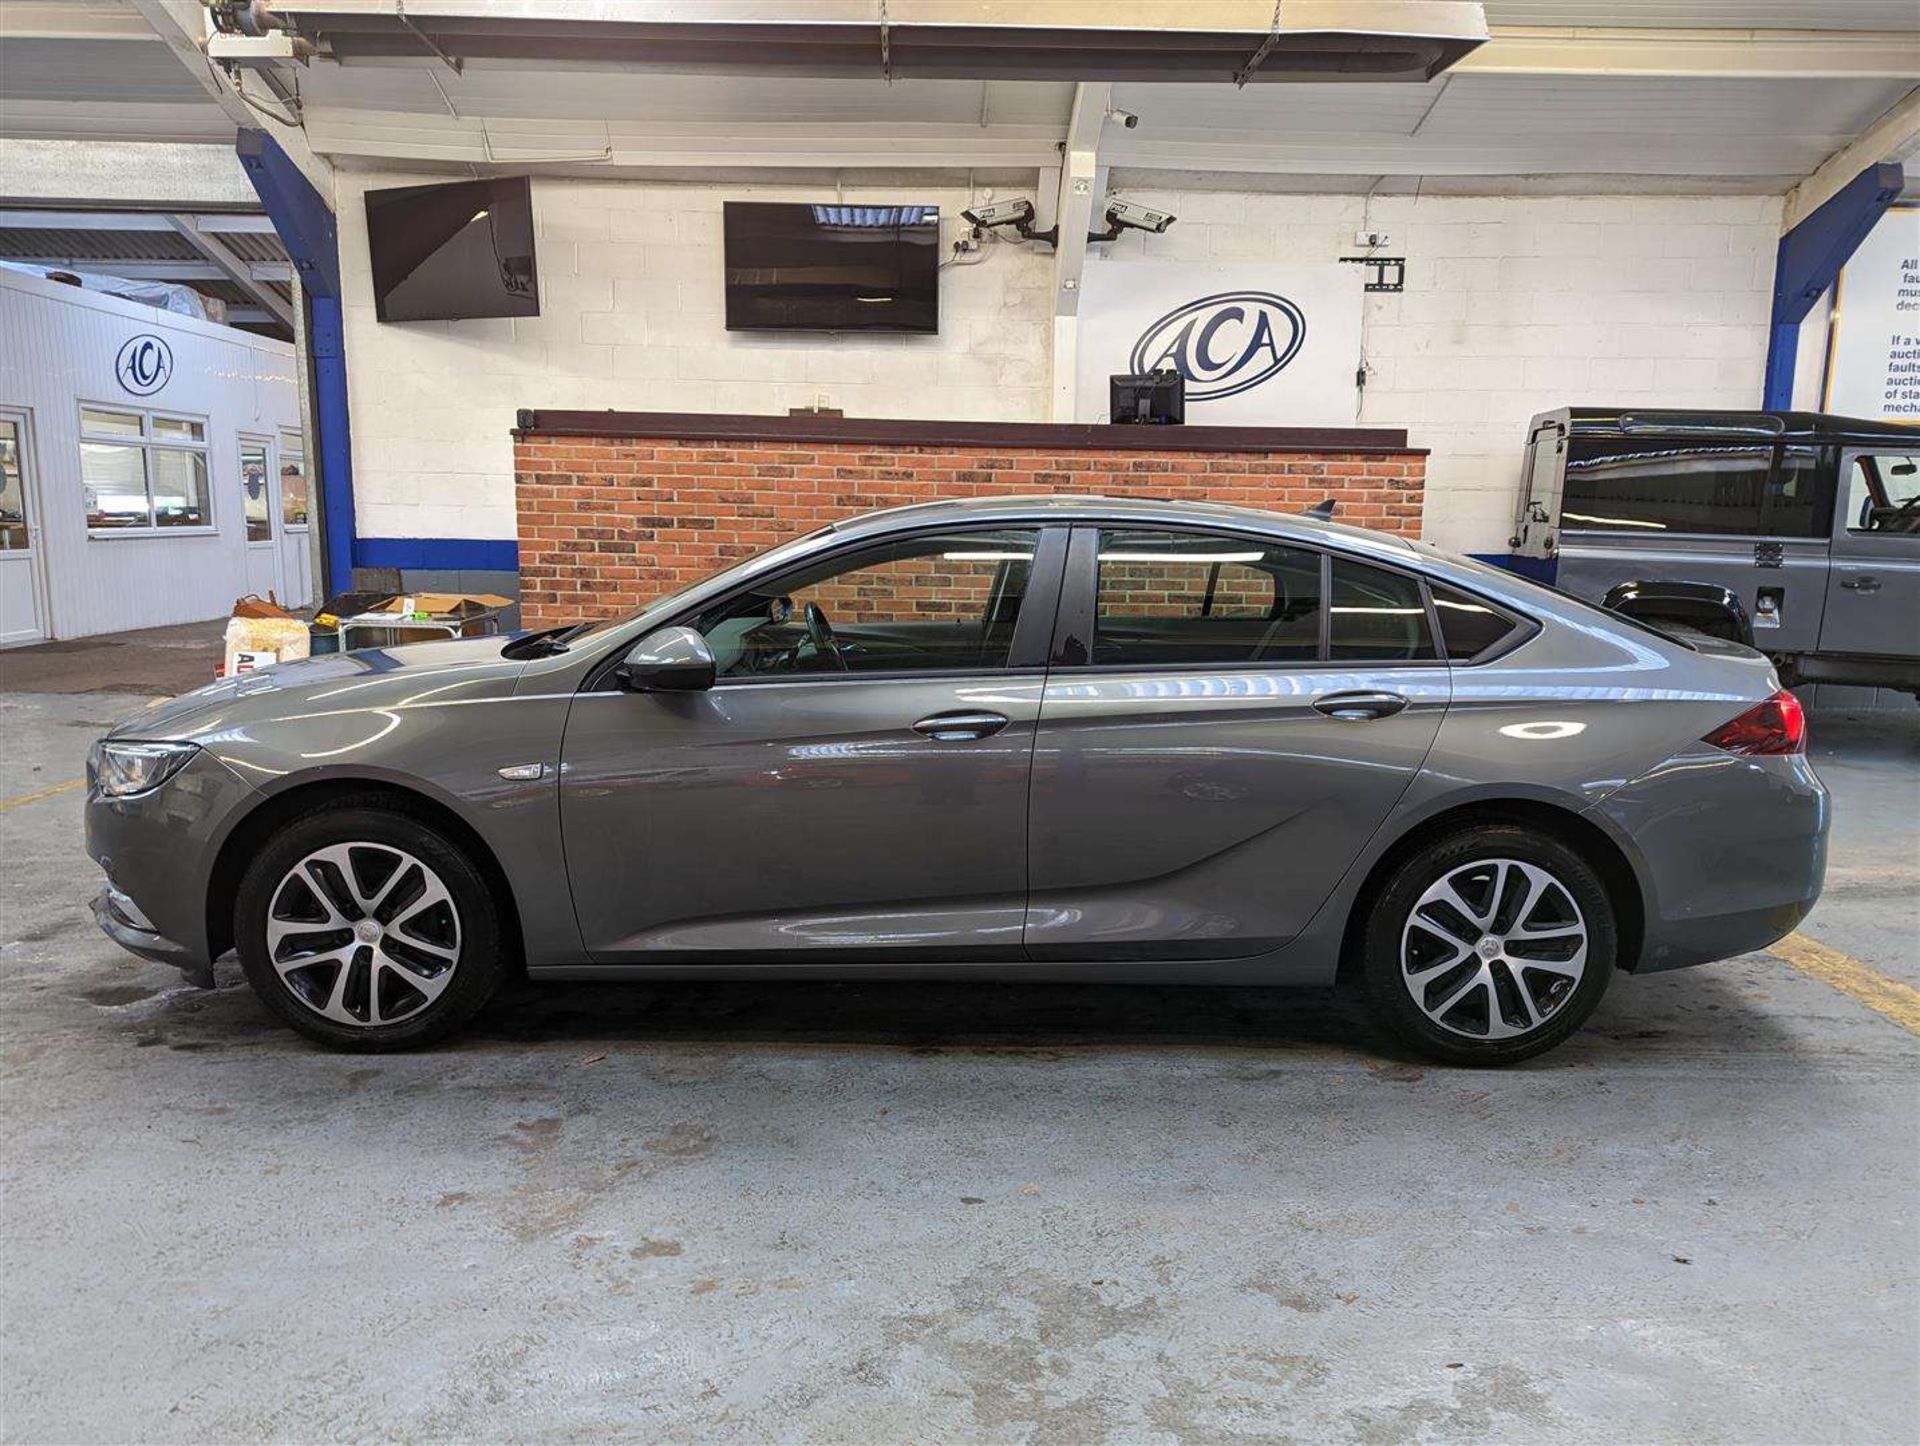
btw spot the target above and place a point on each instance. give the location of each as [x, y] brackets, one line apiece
[1899, 1002]
[71, 783]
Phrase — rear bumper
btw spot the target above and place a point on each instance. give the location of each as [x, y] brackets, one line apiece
[1731, 851]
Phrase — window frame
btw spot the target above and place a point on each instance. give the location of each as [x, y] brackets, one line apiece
[299, 452]
[1843, 531]
[271, 481]
[1825, 505]
[1074, 618]
[146, 443]
[1027, 653]
[1074, 625]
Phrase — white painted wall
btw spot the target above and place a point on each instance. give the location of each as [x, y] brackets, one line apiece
[631, 318]
[58, 346]
[1513, 305]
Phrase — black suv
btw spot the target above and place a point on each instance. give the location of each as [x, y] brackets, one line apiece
[1796, 532]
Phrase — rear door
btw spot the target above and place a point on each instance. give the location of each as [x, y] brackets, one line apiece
[1216, 744]
[1873, 595]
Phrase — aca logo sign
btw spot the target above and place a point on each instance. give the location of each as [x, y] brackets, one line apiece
[144, 365]
[1223, 344]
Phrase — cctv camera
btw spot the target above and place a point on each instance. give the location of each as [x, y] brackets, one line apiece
[1126, 118]
[1139, 218]
[1001, 213]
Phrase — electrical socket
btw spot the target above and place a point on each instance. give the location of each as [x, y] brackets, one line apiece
[1370, 239]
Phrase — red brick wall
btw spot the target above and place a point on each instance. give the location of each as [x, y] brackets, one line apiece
[606, 524]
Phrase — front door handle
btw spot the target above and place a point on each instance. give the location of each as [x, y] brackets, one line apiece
[1862, 584]
[961, 726]
[1360, 707]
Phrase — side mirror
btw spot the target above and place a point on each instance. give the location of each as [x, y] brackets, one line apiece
[672, 660]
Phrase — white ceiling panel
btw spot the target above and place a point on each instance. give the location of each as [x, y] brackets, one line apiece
[1711, 14]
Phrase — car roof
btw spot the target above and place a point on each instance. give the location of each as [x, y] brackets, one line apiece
[1092, 507]
[1777, 426]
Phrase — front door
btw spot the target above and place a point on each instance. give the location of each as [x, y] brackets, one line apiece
[259, 501]
[23, 610]
[1873, 591]
[854, 783]
[1227, 723]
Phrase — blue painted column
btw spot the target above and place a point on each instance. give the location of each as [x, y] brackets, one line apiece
[305, 224]
[1811, 255]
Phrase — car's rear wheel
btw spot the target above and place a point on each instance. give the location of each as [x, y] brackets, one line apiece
[366, 928]
[1488, 945]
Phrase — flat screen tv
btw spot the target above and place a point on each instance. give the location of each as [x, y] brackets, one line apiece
[832, 268]
[453, 252]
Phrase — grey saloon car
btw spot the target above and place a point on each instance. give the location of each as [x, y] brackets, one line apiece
[1063, 738]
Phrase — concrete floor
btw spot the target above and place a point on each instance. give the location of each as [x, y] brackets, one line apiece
[934, 1213]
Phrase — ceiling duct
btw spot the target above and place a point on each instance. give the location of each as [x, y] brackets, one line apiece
[1226, 41]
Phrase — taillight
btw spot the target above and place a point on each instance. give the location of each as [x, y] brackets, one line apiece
[1778, 725]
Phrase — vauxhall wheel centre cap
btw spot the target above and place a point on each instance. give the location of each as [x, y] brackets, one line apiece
[1489, 947]
[367, 931]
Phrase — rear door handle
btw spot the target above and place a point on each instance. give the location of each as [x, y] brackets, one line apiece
[1862, 584]
[1360, 707]
[958, 727]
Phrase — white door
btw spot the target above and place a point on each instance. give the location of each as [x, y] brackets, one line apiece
[23, 608]
[296, 522]
[259, 501]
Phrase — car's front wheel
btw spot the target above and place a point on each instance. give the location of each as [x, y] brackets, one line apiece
[363, 926]
[1488, 945]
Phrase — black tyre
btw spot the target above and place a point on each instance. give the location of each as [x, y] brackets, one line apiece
[1488, 946]
[364, 927]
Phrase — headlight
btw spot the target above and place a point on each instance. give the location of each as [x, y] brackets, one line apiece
[121, 770]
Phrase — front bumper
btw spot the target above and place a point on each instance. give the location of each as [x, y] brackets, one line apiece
[158, 851]
[1732, 852]
[120, 920]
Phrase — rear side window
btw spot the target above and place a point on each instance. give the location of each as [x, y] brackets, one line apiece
[1469, 627]
[1664, 486]
[1182, 597]
[1376, 615]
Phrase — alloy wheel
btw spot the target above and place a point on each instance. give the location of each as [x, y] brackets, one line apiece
[364, 934]
[1493, 949]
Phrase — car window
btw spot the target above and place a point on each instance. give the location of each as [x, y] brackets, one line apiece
[1883, 493]
[1645, 489]
[930, 603]
[1188, 597]
[1468, 626]
[1377, 615]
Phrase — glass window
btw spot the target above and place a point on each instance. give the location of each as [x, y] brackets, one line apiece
[295, 502]
[157, 477]
[1793, 495]
[937, 603]
[98, 422]
[1376, 614]
[1183, 597]
[13, 491]
[178, 429]
[1883, 493]
[113, 478]
[1665, 486]
[179, 488]
[256, 491]
[1468, 627]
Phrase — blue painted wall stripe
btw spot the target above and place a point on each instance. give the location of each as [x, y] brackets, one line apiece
[439, 554]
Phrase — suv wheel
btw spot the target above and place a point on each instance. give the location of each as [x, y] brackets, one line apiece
[365, 928]
[1489, 946]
